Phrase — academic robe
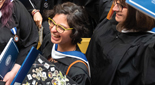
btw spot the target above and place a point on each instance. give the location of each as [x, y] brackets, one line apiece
[121, 58]
[26, 31]
[98, 9]
[78, 72]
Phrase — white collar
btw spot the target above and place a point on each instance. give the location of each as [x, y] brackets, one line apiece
[127, 31]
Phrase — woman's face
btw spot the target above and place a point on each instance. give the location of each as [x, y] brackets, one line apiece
[64, 37]
[121, 12]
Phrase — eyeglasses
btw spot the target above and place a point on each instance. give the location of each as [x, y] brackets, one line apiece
[59, 28]
[119, 6]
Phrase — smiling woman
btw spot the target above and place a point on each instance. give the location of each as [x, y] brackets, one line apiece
[121, 11]
[67, 27]
[62, 37]
[123, 54]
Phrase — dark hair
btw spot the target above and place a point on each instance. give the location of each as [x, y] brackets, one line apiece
[136, 20]
[76, 18]
[6, 12]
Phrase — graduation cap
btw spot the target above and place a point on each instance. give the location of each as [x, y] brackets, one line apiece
[145, 6]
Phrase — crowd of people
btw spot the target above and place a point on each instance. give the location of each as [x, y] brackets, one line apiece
[121, 50]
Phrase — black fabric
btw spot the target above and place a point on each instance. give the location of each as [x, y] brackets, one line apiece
[121, 58]
[98, 9]
[29, 6]
[26, 31]
[46, 46]
[2, 83]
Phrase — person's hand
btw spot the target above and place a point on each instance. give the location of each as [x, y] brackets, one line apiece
[8, 78]
[37, 17]
[10, 75]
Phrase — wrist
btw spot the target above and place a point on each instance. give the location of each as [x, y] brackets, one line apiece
[15, 68]
[34, 11]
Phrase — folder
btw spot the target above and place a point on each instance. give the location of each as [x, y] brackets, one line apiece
[8, 57]
[25, 67]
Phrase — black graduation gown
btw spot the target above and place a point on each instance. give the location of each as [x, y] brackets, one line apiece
[78, 72]
[121, 58]
[26, 30]
[98, 9]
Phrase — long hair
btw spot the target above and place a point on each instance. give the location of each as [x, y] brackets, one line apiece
[136, 20]
[6, 13]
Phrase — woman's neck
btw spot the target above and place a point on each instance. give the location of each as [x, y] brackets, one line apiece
[69, 47]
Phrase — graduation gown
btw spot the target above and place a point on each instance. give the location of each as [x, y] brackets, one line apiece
[117, 58]
[26, 31]
[98, 9]
[78, 72]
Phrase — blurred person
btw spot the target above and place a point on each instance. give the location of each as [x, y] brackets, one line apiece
[14, 14]
[123, 54]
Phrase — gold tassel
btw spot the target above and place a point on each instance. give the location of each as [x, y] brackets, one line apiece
[110, 12]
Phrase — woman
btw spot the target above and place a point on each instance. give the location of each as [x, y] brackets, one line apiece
[123, 55]
[67, 26]
[14, 14]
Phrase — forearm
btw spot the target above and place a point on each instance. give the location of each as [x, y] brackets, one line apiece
[15, 69]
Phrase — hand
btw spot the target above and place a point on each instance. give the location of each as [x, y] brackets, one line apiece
[38, 19]
[10, 75]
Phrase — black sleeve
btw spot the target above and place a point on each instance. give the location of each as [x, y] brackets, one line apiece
[98, 9]
[31, 4]
[149, 65]
[79, 73]
[26, 30]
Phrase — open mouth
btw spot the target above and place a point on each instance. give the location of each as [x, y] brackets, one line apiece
[56, 36]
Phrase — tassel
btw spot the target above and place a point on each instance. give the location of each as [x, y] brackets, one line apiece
[110, 12]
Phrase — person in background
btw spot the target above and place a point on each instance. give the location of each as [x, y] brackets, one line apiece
[14, 14]
[123, 54]
[38, 8]
[67, 27]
